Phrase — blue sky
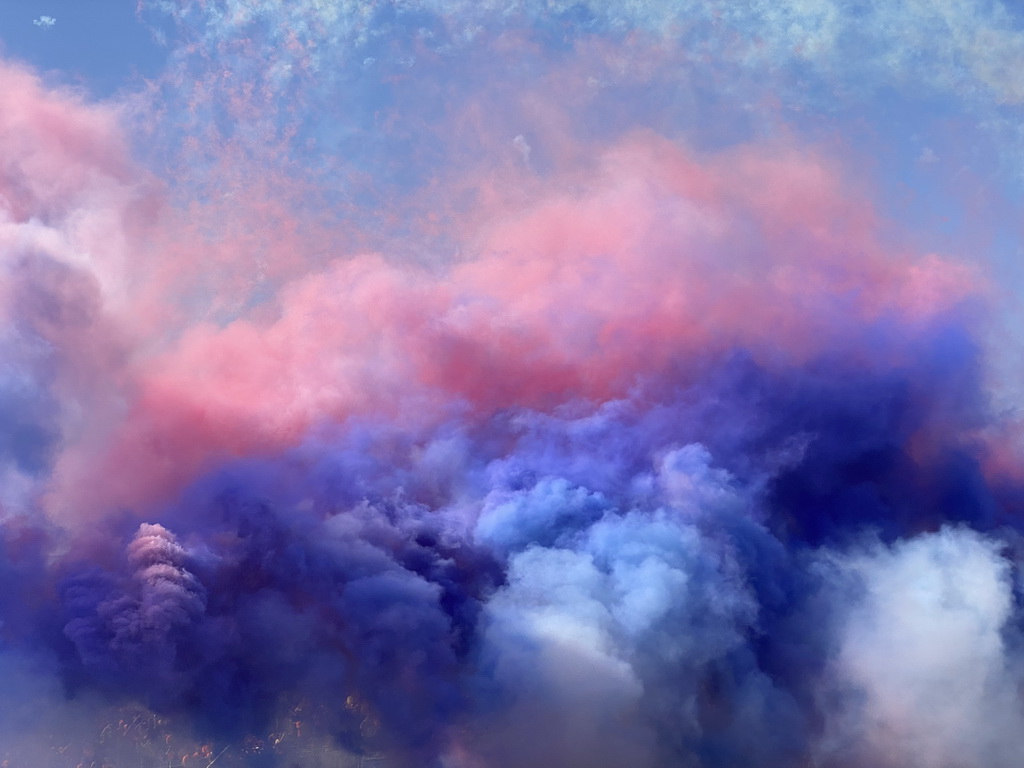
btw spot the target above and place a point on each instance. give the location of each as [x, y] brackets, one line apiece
[100, 45]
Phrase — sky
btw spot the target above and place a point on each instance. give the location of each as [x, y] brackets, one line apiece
[99, 46]
[449, 384]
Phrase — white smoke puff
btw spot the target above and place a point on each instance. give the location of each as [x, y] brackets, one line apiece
[572, 696]
[689, 483]
[922, 665]
[583, 639]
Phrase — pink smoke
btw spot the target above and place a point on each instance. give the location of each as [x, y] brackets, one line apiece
[662, 258]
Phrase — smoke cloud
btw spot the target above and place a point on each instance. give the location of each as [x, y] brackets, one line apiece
[454, 385]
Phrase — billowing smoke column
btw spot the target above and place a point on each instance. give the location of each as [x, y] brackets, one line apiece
[682, 458]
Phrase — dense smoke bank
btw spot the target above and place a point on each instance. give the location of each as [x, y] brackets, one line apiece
[359, 406]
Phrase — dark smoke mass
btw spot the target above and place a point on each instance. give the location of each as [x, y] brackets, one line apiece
[435, 384]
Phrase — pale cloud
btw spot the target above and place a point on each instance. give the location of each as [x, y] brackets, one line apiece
[972, 47]
[928, 677]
